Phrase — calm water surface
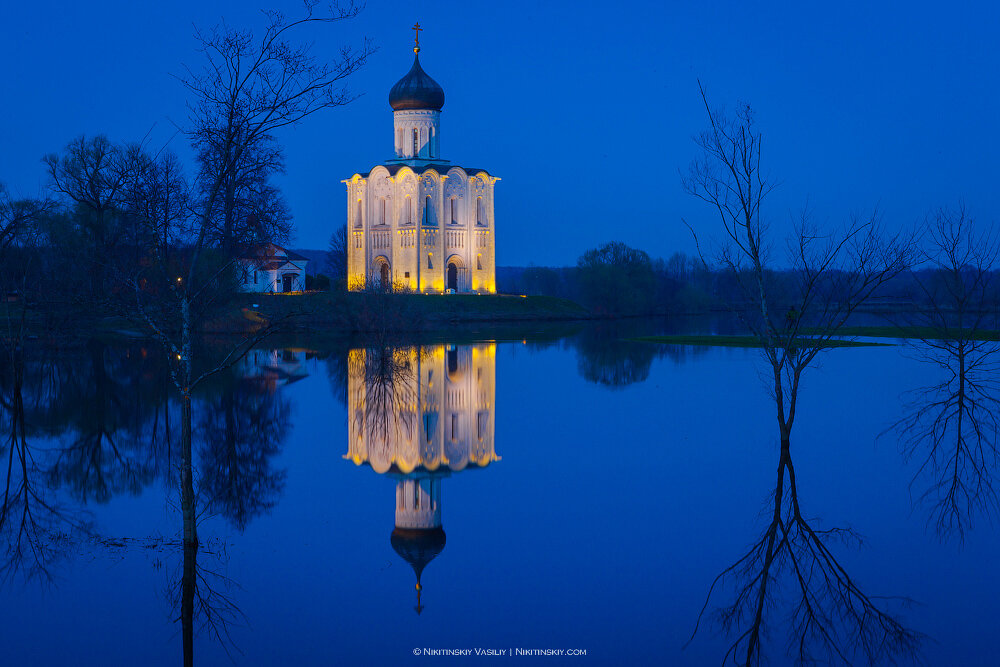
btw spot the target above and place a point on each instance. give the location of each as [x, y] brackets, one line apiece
[572, 494]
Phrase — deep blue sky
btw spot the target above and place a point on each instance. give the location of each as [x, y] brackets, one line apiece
[585, 110]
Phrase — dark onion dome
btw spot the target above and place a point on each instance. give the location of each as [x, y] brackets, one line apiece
[418, 547]
[416, 90]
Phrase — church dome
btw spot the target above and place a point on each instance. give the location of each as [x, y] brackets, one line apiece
[416, 90]
[418, 547]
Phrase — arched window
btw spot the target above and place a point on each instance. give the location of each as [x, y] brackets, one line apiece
[384, 219]
[431, 143]
[428, 212]
[416, 142]
[480, 213]
[357, 218]
[454, 210]
[408, 211]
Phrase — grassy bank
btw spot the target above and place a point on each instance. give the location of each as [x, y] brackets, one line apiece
[404, 312]
[333, 314]
[926, 333]
[740, 341]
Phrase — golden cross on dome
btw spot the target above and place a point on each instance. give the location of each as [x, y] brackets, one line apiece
[416, 37]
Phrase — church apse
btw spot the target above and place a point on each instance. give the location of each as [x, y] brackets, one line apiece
[417, 222]
[419, 415]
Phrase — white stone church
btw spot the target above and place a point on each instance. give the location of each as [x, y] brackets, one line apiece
[418, 222]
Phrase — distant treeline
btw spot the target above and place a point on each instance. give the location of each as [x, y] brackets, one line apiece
[618, 280]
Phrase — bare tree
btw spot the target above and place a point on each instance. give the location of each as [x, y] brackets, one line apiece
[336, 257]
[157, 197]
[18, 219]
[92, 174]
[951, 427]
[19, 263]
[249, 88]
[834, 272]
[250, 210]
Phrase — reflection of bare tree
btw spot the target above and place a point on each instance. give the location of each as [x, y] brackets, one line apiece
[201, 596]
[607, 355]
[336, 371]
[242, 431]
[388, 393]
[951, 427]
[832, 274]
[605, 358]
[34, 527]
[112, 412]
[951, 430]
[792, 567]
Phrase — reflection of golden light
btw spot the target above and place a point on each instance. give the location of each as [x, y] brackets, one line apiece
[404, 419]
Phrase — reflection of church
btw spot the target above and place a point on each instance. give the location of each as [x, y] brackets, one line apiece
[417, 221]
[418, 415]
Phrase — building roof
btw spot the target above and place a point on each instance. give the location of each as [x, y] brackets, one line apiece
[296, 256]
[275, 265]
[270, 256]
[419, 169]
[416, 90]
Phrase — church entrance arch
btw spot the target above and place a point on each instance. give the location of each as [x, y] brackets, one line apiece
[455, 273]
[382, 274]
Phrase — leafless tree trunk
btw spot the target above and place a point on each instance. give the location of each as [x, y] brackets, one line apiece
[834, 273]
[249, 88]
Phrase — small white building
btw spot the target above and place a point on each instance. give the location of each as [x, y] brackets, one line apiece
[270, 268]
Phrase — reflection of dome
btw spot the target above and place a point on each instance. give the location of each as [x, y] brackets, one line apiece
[418, 547]
[416, 90]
